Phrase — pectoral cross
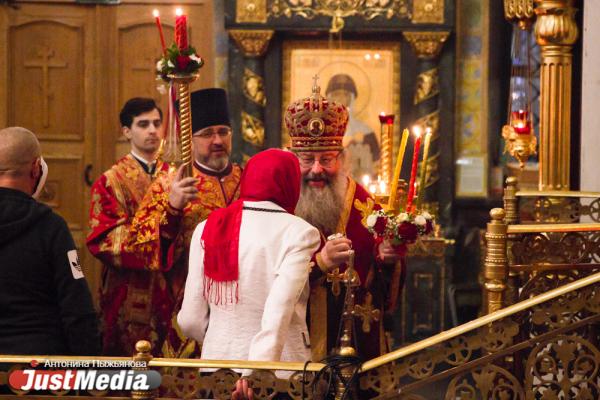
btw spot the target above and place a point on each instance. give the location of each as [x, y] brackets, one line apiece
[335, 278]
[367, 313]
[45, 53]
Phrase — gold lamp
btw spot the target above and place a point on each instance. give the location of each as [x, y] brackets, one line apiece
[518, 132]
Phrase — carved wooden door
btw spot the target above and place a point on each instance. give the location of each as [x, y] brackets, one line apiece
[47, 69]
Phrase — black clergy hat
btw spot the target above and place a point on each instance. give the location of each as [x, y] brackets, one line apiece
[209, 107]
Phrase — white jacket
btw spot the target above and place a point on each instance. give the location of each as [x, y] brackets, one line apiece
[269, 320]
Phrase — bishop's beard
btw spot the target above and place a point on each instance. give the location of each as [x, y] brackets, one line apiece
[322, 207]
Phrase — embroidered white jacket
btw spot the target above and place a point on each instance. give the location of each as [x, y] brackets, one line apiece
[268, 322]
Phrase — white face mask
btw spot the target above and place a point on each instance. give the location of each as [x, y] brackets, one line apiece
[42, 180]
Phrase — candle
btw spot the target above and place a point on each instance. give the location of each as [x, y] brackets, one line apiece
[413, 171]
[397, 170]
[160, 31]
[366, 179]
[424, 168]
[520, 122]
[382, 187]
[372, 188]
[181, 29]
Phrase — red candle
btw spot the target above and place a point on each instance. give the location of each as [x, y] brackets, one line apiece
[160, 31]
[413, 171]
[181, 30]
[520, 122]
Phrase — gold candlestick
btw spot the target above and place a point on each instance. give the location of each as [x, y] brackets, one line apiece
[387, 142]
[185, 117]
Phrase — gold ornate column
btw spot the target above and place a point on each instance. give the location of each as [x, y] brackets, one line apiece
[254, 44]
[555, 32]
[495, 272]
[428, 46]
[511, 208]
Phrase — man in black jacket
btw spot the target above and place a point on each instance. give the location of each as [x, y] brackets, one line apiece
[45, 302]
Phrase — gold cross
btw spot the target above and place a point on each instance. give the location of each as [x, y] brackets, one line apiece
[315, 88]
[335, 278]
[45, 53]
[367, 312]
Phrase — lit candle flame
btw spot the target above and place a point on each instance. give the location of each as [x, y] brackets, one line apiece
[417, 130]
[178, 12]
[155, 13]
[366, 179]
[383, 114]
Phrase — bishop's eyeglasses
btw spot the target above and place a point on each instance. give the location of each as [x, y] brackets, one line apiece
[326, 161]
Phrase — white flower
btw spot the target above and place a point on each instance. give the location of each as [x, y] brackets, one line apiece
[420, 220]
[371, 220]
[426, 215]
[403, 217]
[195, 58]
[170, 64]
[159, 65]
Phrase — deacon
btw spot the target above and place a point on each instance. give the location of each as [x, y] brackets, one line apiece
[245, 299]
[174, 205]
[334, 203]
[134, 304]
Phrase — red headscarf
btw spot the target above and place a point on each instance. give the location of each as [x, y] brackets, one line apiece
[271, 175]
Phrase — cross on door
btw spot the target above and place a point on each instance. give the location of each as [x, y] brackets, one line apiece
[45, 53]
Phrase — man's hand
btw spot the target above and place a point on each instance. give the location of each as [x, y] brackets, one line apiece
[336, 252]
[242, 391]
[182, 190]
[387, 253]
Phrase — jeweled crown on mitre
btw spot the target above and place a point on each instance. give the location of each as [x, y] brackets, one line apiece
[315, 123]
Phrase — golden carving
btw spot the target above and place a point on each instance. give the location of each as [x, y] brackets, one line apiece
[253, 88]
[520, 11]
[251, 11]
[367, 9]
[427, 85]
[253, 130]
[496, 264]
[519, 146]
[555, 31]
[431, 121]
[185, 117]
[253, 43]
[426, 45]
[428, 12]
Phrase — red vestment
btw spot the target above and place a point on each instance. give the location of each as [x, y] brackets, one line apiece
[133, 301]
[163, 238]
[326, 308]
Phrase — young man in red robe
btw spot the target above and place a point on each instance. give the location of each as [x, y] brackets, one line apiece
[133, 300]
[333, 202]
[174, 205]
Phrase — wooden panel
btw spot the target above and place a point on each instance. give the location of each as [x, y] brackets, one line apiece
[64, 189]
[46, 70]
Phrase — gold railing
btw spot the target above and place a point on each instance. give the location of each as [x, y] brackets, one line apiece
[499, 350]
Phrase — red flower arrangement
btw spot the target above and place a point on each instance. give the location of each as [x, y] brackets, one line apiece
[401, 230]
[178, 62]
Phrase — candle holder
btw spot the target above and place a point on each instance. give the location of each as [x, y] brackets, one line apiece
[179, 67]
[520, 146]
[387, 143]
[185, 116]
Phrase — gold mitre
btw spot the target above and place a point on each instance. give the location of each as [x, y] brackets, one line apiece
[315, 123]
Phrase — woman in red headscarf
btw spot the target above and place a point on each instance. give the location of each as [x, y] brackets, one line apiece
[247, 285]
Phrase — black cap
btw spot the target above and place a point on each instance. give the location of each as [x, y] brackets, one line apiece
[209, 107]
